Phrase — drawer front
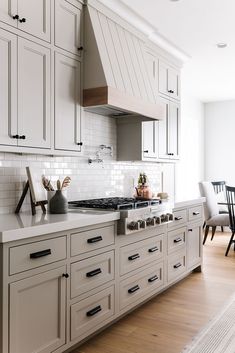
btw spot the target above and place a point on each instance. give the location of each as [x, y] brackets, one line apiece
[176, 240]
[133, 288]
[28, 256]
[90, 240]
[90, 273]
[195, 213]
[136, 255]
[176, 265]
[180, 218]
[90, 313]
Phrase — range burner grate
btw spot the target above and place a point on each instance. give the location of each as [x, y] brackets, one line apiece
[114, 203]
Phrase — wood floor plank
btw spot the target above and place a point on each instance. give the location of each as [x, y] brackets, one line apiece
[169, 321]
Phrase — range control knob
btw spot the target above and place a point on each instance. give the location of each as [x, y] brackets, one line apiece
[142, 223]
[150, 221]
[133, 226]
[157, 220]
[170, 215]
[164, 218]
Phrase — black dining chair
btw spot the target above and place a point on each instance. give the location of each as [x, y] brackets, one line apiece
[218, 186]
[230, 195]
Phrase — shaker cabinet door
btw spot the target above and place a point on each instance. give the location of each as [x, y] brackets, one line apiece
[67, 103]
[37, 313]
[163, 136]
[174, 130]
[8, 11]
[35, 18]
[150, 143]
[8, 88]
[33, 94]
[169, 81]
[68, 37]
[194, 245]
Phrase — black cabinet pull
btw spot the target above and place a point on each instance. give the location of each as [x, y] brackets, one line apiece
[94, 240]
[65, 275]
[152, 279]
[133, 289]
[170, 154]
[15, 17]
[15, 136]
[196, 213]
[94, 272]
[38, 254]
[80, 48]
[22, 137]
[177, 265]
[94, 311]
[146, 151]
[171, 91]
[133, 257]
[79, 143]
[22, 20]
[178, 218]
[190, 230]
[155, 248]
[177, 240]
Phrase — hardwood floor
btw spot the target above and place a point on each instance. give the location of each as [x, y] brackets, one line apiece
[169, 321]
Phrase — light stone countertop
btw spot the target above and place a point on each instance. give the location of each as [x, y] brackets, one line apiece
[186, 203]
[22, 226]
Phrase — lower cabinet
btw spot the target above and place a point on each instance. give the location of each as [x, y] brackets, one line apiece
[89, 314]
[37, 312]
[132, 289]
[194, 246]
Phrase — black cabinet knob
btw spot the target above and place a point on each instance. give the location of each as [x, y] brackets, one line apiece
[15, 136]
[79, 143]
[22, 20]
[80, 48]
[146, 151]
[22, 137]
[65, 275]
[15, 17]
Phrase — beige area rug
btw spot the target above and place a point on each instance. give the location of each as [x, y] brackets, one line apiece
[219, 334]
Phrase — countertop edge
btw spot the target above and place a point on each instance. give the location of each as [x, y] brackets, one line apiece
[187, 203]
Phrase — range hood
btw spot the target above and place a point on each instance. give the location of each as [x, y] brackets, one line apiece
[116, 77]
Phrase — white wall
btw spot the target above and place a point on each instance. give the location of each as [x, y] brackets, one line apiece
[220, 141]
[190, 169]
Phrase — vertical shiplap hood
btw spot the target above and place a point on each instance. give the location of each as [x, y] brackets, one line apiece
[116, 81]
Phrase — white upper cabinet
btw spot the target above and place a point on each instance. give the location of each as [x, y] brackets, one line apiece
[69, 36]
[33, 94]
[150, 139]
[8, 12]
[67, 103]
[169, 130]
[37, 15]
[29, 16]
[169, 81]
[8, 88]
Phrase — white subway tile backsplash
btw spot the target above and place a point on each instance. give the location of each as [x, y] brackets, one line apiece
[110, 178]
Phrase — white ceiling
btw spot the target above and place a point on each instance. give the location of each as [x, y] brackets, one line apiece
[195, 26]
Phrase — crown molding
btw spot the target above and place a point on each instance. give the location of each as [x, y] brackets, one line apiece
[145, 27]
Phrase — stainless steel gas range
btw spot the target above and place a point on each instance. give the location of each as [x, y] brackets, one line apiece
[135, 215]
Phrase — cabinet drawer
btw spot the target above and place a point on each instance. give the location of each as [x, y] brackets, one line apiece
[133, 288]
[90, 313]
[176, 265]
[176, 240]
[28, 256]
[141, 253]
[94, 239]
[195, 213]
[180, 218]
[90, 273]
